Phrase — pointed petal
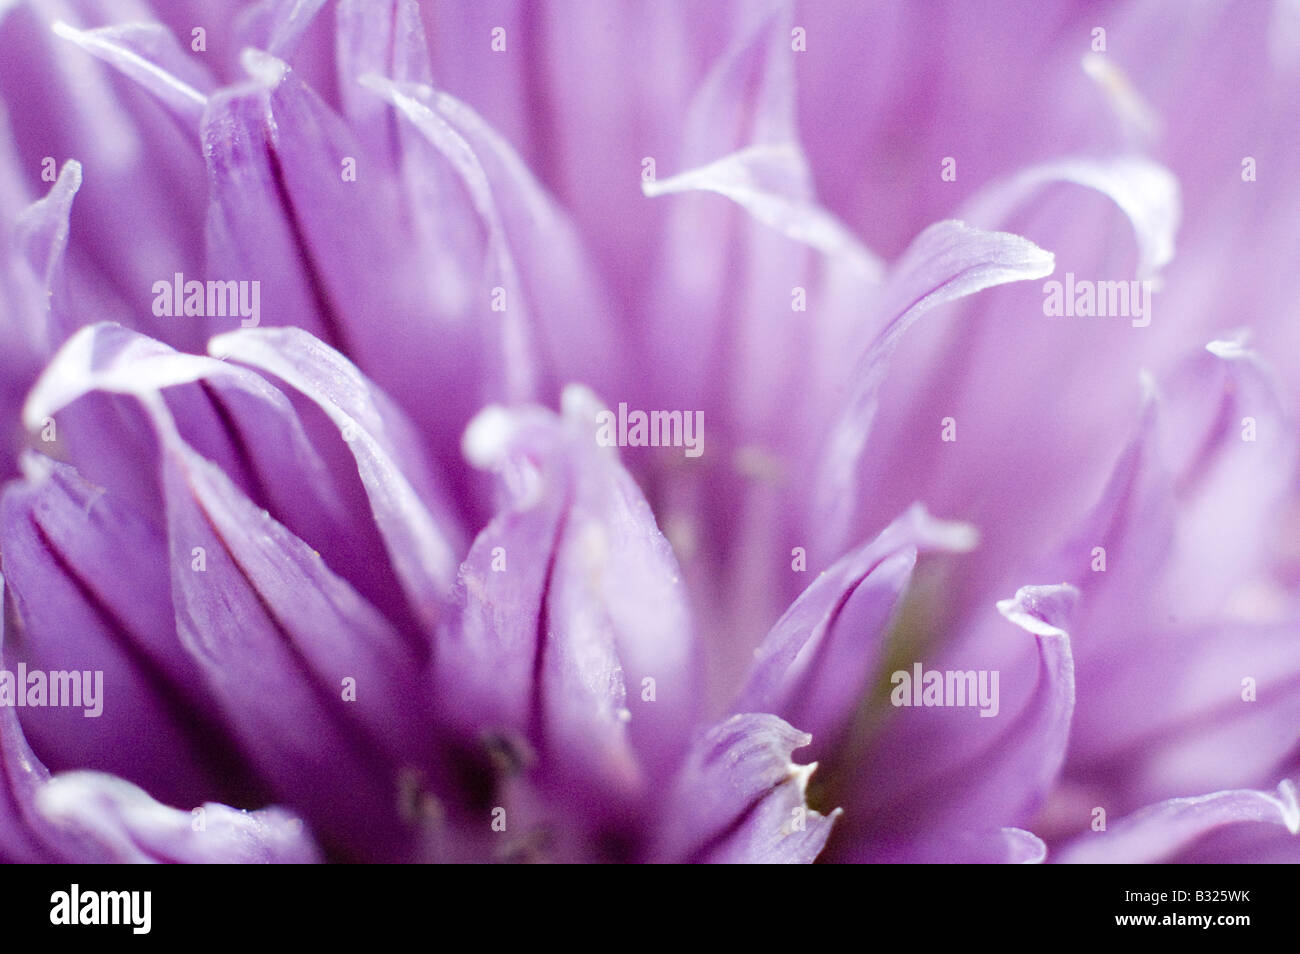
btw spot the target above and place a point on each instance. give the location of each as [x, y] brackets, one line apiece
[1161, 706]
[434, 250]
[42, 230]
[815, 664]
[1145, 191]
[485, 665]
[739, 798]
[281, 639]
[271, 145]
[32, 274]
[384, 37]
[567, 300]
[1188, 482]
[138, 214]
[21, 774]
[24, 838]
[747, 96]
[738, 140]
[149, 54]
[585, 588]
[616, 582]
[773, 184]
[949, 260]
[26, 835]
[234, 417]
[949, 773]
[289, 20]
[421, 538]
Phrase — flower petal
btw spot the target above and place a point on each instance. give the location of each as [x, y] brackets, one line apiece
[385, 37]
[41, 232]
[421, 536]
[1161, 833]
[233, 417]
[946, 772]
[33, 312]
[91, 817]
[412, 102]
[276, 633]
[1162, 701]
[79, 609]
[25, 836]
[139, 216]
[947, 261]
[282, 640]
[816, 662]
[741, 799]
[568, 302]
[1145, 191]
[772, 183]
[573, 587]
[134, 828]
[149, 54]
[289, 19]
[271, 151]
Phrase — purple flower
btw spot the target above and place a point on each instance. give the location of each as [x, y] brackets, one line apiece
[454, 432]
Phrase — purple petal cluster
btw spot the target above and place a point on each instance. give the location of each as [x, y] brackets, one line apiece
[462, 432]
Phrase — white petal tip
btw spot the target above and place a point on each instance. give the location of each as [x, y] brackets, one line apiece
[487, 437]
[1040, 610]
[1230, 349]
[263, 67]
[933, 533]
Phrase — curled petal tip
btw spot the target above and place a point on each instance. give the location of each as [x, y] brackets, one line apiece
[1024, 847]
[1041, 610]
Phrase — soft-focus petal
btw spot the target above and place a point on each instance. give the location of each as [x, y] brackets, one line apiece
[134, 828]
[1162, 832]
[149, 54]
[1146, 192]
[947, 261]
